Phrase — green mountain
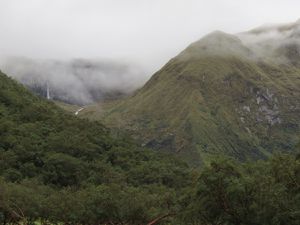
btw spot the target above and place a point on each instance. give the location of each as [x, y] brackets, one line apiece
[237, 95]
[37, 138]
[57, 167]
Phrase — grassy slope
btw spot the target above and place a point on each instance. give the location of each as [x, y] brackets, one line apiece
[199, 104]
[67, 107]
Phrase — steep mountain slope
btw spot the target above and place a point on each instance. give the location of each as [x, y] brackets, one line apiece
[220, 95]
[47, 156]
[35, 133]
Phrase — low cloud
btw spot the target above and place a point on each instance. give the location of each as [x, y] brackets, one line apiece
[79, 81]
[269, 40]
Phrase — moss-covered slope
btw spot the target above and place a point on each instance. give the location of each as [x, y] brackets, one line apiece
[214, 97]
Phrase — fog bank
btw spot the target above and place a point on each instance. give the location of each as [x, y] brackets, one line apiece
[78, 81]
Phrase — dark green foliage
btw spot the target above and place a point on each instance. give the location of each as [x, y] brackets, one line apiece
[247, 194]
[58, 168]
[39, 140]
[226, 192]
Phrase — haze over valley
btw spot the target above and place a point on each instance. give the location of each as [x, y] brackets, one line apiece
[78, 81]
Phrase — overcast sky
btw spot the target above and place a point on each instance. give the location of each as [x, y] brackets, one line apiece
[147, 31]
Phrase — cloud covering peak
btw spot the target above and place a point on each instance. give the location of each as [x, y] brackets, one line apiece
[78, 81]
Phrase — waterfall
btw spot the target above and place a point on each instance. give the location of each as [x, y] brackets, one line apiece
[48, 91]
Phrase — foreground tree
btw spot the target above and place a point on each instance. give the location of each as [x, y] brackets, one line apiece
[247, 194]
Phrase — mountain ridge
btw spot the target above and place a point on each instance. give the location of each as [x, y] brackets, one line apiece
[219, 95]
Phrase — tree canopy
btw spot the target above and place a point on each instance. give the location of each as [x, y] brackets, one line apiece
[56, 168]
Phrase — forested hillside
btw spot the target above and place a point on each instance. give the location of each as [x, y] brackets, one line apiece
[58, 169]
[48, 157]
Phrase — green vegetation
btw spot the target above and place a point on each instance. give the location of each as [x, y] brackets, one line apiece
[211, 102]
[58, 169]
[265, 192]
[213, 98]
[55, 168]
[67, 107]
[226, 192]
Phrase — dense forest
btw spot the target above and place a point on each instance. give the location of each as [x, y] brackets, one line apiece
[59, 169]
